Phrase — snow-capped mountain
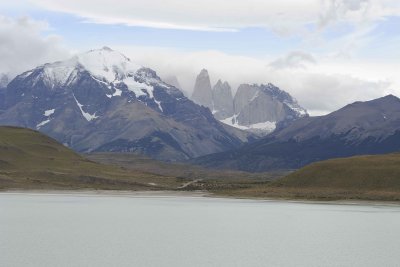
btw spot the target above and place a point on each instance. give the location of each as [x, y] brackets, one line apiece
[255, 108]
[102, 101]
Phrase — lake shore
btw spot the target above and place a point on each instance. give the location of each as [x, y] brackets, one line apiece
[196, 194]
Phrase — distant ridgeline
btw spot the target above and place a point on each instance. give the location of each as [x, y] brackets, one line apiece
[371, 127]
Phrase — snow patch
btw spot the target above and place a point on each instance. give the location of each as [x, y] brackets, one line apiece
[118, 92]
[295, 107]
[138, 88]
[267, 126]
[42, 123]
[49, 112]
[159, 104]
[87, 116]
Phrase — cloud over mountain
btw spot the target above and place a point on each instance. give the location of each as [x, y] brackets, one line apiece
[26, 43]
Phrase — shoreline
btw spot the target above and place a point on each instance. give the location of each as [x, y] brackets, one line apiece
[193, 194]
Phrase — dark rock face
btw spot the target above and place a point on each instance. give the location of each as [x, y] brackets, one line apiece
[371, 127]
[101, 101]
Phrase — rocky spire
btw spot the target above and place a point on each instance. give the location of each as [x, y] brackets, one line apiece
[223, 100]
[202, 93]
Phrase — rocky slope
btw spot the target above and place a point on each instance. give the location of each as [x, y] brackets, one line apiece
[371, 127]
[102, 101]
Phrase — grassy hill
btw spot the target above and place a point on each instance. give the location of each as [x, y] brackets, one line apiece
[31, 160]
[379, 172]
[374, 177]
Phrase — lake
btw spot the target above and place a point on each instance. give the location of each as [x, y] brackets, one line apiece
[83, 229]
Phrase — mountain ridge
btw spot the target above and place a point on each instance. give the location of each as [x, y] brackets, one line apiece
[353, 130]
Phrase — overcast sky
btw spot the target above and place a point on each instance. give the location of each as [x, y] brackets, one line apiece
[326, 53]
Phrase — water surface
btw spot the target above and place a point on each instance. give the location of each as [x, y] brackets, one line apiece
[104, 230]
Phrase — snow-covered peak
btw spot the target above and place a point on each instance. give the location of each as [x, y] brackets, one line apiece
[103, 64]
[107, 64]
[116, 74]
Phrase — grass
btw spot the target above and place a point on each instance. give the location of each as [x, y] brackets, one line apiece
[374, 177]
[144, 164]
[31, 160]
[378, 172]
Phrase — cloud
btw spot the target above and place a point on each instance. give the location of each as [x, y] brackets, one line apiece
[284, 16]
[25, 45]
[324, 86]
[324, 93]
[357, 11]
[295, 59]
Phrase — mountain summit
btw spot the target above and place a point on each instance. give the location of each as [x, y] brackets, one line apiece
[102, 101]
[202, 92]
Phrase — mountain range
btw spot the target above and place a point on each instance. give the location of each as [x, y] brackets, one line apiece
[255, 108]
[102, 101]
[371, 127]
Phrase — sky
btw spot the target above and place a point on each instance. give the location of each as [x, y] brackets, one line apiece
[325, 53]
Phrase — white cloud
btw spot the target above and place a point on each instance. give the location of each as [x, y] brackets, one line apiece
[357, 11]
[25, 45]
[321, 87]
[295, 59]
[283, 16]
